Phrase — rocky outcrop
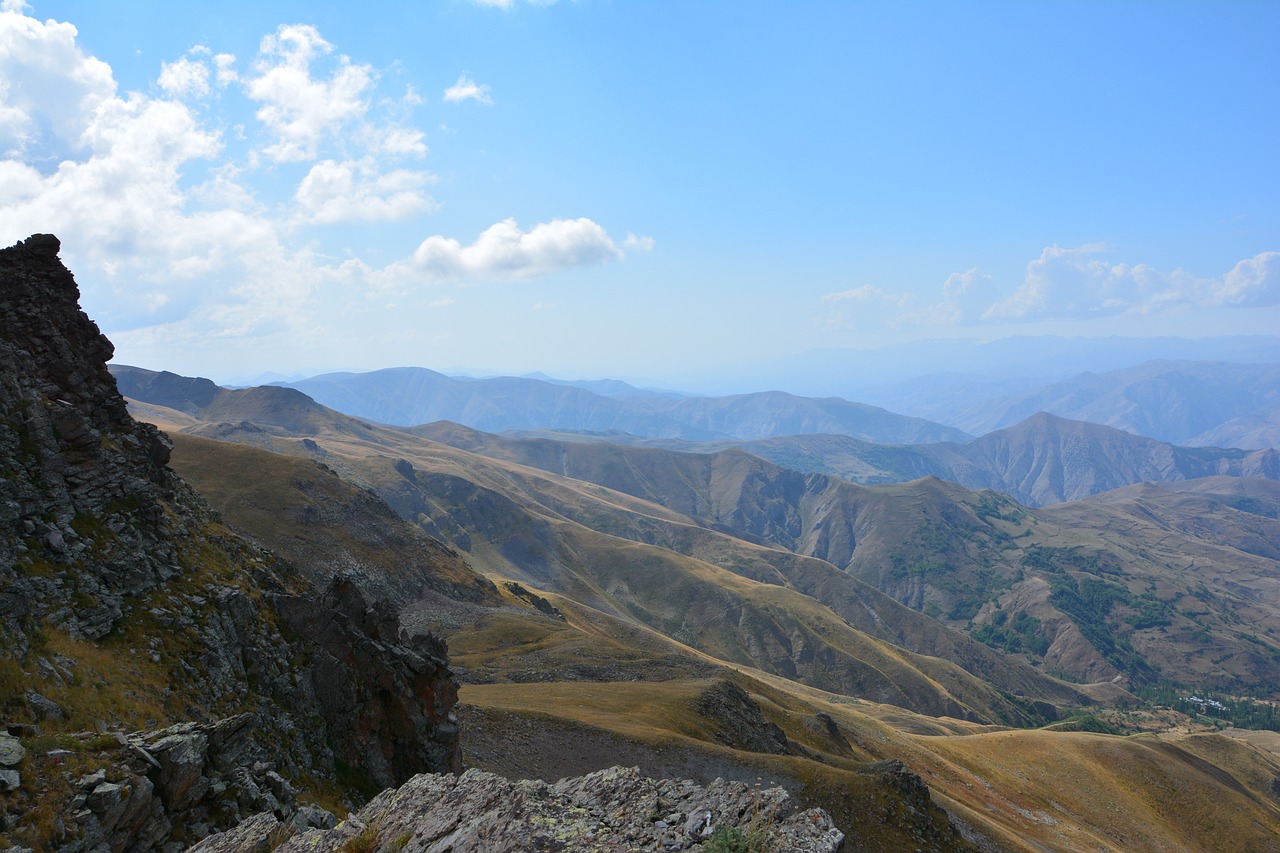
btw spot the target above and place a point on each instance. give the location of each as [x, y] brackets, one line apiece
[85, 484]
[393, 701]
[164, 788]
[610, 810]
[738, 721]
[123, 598]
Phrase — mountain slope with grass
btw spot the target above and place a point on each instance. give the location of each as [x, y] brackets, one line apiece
[711, 615]
[977, 560]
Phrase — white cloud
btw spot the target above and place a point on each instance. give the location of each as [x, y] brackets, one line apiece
[1254, 282]
[48, 89]
[467, 89]
[638, 243]
[356, 191]
[1062, 284]
[505, 252]
[967, 295]
[185, 78]
[299, 110]
[159, 199]
[403, 142]
[1072, 283]
[226, 75]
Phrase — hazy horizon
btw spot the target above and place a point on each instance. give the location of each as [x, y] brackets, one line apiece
[601, 189]
[859, 373]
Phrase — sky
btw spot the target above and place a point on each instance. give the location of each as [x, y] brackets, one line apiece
[636, 189]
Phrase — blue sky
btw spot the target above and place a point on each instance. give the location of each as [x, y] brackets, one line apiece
[640, 189]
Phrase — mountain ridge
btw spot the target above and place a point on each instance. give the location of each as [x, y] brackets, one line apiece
[408, 396]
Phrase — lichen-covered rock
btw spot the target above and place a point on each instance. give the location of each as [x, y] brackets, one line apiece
[611, 810]
[85, 482]
[254, 835]
[11, 751]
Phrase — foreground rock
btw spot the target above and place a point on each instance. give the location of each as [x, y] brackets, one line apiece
[155, 789]
[615, 809]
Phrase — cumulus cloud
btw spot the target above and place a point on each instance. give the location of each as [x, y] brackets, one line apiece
[352, 191]
[1074, 284]
[402, 141]
[48, 86]
[967, 295]
[298, 109]
[1062, 284]
[467, 89]
[185, 78]
[504, 252]
[159, 200]
[1254, 282]
[226, 74]
[638, 242]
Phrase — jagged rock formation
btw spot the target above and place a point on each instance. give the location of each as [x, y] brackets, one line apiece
[392, 701]
[615, 810]
[85, 483]
[738, 720]
[126, 606]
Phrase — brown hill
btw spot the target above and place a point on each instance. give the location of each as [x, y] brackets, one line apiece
[1100, 596]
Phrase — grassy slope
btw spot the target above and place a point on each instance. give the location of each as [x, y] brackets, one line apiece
[709, 608]
[328, 524]
[1179, 572]
[1022, 790]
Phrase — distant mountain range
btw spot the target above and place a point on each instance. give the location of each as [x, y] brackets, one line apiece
[1042, 460]
[1198, 404]
[406, 396]
[1194, 403]
[1040, 359]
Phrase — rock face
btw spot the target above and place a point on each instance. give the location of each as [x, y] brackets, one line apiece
[85, 482]
[392, 701]
[119, 591]
[610, 810]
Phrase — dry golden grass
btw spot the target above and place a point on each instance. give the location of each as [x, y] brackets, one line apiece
[1026, 790]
